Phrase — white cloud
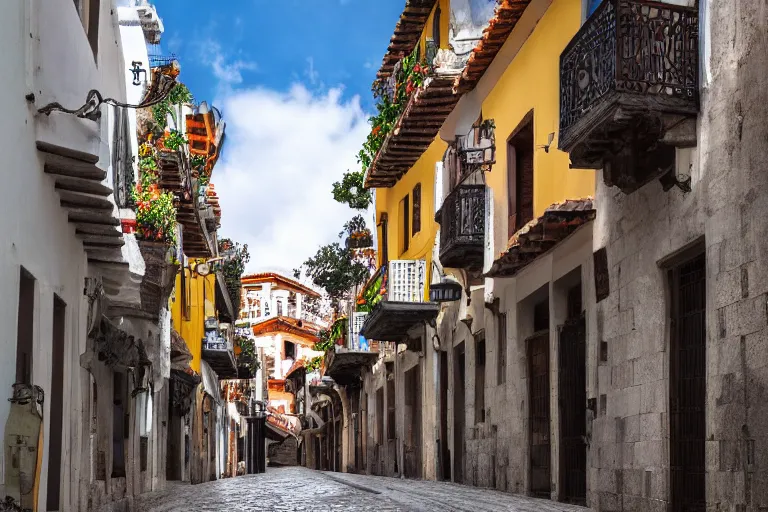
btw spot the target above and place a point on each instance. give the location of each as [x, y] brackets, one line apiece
[228, 71]
[283, 152]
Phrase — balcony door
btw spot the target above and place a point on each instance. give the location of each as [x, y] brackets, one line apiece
[520, 175]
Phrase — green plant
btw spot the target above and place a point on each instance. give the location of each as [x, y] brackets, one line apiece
[325, 342]
[197, 162]
[314, 364]
[155, 212]
[179, 95]
[351, 191]
[236, 257]
[174, 140]
[334, 269]
[246, 357]
[391, 104]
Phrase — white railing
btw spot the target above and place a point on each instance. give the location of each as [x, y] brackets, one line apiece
[406, 280]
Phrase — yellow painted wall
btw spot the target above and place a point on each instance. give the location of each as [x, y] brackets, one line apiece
[202, 304]
[445, 22]
[532, 81]
[388, 200]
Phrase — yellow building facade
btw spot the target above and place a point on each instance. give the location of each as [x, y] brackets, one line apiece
[193, 301]
[529, 88]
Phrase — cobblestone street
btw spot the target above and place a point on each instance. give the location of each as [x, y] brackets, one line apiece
[301, 489]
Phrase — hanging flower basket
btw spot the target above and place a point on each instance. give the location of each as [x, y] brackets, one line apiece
[360, 239]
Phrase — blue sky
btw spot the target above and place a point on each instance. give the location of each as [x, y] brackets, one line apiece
[326, 43]
[292, 80]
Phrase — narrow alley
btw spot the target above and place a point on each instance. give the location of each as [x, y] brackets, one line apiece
[322, 491]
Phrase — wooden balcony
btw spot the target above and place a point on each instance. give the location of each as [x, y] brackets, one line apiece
[629, 90]
[403, 306]
[462, 228]
[219, 353]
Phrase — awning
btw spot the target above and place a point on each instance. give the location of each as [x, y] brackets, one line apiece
[210, 381]
[280, 426]
[541, 235]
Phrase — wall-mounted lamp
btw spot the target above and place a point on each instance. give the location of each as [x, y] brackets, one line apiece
[137, 70]
[445, 291]
[546, 146]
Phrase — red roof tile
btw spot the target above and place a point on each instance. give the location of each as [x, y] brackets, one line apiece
[504, 20]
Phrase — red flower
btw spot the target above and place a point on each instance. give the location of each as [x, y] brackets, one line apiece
[409, 89]
[376, 130]
[417, 68]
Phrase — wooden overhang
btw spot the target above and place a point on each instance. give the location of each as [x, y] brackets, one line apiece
[79, 183]
[505, 18]
[345, 367]
[175, 178]
[205, 136]
[222, 362]
[417, 127]
[542, 234]
[300, 328]
[226, 308]
[391, 321]
[407, 34]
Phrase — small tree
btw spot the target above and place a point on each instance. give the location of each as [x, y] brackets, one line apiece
[334, 269]
[351, 191]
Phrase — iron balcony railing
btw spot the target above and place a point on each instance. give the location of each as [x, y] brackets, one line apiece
[641, 47]
[462, 227]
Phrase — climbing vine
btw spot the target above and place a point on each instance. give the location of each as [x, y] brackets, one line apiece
[235, 259]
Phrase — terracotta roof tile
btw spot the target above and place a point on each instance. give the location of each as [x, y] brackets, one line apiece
[417, 127]
[407, 34]
[504, 20]
[542, 234]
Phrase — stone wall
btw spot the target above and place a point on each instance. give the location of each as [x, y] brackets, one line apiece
[629, 454]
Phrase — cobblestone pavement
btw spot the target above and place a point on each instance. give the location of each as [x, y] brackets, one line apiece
[300, 489]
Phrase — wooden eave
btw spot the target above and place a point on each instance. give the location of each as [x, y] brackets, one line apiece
[196, 240]
[416, 129]
[79, 183]
[406, 35]
[541, 235]
[505, 18]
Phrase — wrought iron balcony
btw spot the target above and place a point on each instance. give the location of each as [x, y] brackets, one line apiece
[401, 305]
[628, 80]
[462, 228]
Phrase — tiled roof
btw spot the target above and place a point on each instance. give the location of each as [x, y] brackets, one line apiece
[542, 234]
[407, 34]
[417, 127]
[505, 18]
[273, 277]
[301, 328]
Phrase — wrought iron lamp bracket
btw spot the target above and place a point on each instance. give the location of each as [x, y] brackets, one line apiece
[157, 92]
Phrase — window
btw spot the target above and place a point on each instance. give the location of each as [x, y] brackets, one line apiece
[383, 223]
[480, 378]
[436, 27]
[417, 208]
[405, 235]
[25, 329]
[520, 175]
[290, 350]
[501, 358]
[88, 10]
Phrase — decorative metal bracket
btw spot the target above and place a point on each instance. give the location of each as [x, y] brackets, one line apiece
[137, 71]
[163, 81]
